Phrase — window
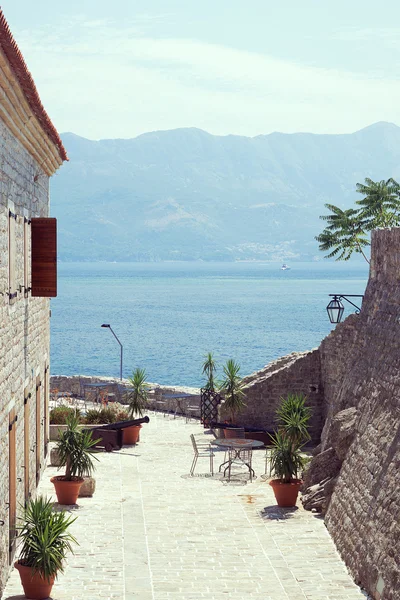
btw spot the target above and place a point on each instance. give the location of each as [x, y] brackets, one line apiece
[12, 288]
[44, 257]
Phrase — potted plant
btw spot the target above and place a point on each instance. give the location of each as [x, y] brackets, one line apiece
[137, 402]
[232, 388]
[75, 451]
[209, 368]
[45, 542]
[286, 463]
[287, 460]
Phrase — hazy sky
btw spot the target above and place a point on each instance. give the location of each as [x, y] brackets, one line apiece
[117, 68]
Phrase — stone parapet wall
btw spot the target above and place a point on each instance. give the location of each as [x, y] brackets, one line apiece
[298, 372]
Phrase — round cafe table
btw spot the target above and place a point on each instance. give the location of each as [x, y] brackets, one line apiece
[237, 444]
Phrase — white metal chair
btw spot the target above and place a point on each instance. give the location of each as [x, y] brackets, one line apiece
[201, 449]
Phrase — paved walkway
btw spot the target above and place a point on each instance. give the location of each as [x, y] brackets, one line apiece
[151, 532]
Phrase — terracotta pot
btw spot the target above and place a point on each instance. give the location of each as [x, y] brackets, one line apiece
[286, 493]
[67, 491]
[231, 432]
[35, 586]
[132, 435]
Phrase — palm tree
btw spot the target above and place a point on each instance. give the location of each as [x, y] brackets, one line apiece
[232, 387]
[137, 395]
[381, 205]
[344, 234]
[209, 368]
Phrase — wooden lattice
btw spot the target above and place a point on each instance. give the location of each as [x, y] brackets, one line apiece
[209, 402]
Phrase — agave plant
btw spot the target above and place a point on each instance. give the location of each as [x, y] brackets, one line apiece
[286, 458]
[209, 368]
[75, 450]
[232, 387]
[137, 395]
[293, 416]
[45, 539]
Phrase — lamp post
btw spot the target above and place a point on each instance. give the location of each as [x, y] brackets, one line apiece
[335, 308]
[111, 329]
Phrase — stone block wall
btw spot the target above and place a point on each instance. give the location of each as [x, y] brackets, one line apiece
[298, 372]
[360, 371]
[24, 338]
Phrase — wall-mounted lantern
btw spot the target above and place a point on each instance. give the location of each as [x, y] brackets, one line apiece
[335, 308]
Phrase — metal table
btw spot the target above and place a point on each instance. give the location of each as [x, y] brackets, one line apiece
[237, 444]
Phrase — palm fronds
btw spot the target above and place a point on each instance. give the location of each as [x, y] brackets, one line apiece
[209, 368]
[137, 395]
[75, 448]
[232, 387]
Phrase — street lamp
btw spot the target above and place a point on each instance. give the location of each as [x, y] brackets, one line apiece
[335, 308]
[111, 329]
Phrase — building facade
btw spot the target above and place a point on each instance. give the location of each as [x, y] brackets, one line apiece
[30, 152]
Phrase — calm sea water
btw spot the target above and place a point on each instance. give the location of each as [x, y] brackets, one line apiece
[168, 315]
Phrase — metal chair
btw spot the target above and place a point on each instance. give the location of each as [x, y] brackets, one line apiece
[268, 461]
[201, 449]
[240, 456]
[191, 411]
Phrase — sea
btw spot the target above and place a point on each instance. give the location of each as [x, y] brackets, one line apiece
[167, 315]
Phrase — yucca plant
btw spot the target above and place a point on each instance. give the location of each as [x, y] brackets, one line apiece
[45, 539]
[75, 450]
[232, 387]
[293, 417]
[209, 368]
[286, 458]
[137, 395]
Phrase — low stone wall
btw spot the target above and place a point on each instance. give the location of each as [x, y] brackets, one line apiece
[298, 372]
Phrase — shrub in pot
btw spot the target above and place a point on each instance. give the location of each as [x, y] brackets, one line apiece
[232, 388]
[286, 463]
[45, 542]
[137, 402]
[75, 450]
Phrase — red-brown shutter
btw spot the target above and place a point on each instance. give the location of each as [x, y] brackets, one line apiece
[44, 257]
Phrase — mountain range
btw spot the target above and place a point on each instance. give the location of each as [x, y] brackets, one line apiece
[188, 195]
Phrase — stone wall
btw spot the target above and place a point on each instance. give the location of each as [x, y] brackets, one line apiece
[298, 372]
[357, 470]
[24, 339]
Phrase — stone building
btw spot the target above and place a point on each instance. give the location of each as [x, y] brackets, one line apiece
[30, 152]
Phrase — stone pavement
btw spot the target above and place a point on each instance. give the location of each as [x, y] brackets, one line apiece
[152, 532]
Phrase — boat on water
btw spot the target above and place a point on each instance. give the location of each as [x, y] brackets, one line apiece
[284, 267]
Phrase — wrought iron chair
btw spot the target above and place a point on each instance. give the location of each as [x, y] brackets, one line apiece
[268, 461]
[240, 456]
[190, 412]
[201, 449]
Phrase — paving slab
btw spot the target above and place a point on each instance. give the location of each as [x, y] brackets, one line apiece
[152, 532]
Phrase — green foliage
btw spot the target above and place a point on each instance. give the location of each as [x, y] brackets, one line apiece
[109, 414]
[75, 448]
[293, 416]
[232, 388]
[380, 206]
[347, 230]
[137, 396]
[286, 458]
[209, 368]
[45, 540]
[59, 415]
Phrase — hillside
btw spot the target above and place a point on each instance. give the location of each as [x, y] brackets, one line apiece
[186, 194]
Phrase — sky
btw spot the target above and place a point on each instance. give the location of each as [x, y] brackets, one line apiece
[116, 69]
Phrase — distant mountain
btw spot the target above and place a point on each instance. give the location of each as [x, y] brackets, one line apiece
[188, 195]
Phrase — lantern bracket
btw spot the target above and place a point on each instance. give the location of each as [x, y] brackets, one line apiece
[346, 297]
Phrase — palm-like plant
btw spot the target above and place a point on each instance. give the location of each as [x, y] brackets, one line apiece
[344, 234]
[75, 450]
[137, 395]
[232, 387]
[45, 538]
[292, 417]
[209, 368]
[381, 205]
[286, 458]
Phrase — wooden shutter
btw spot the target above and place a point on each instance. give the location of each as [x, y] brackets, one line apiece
[12, 485]
[38, 430]
[27, 447]
[12, 290]
[26, 256]
[44, 257]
